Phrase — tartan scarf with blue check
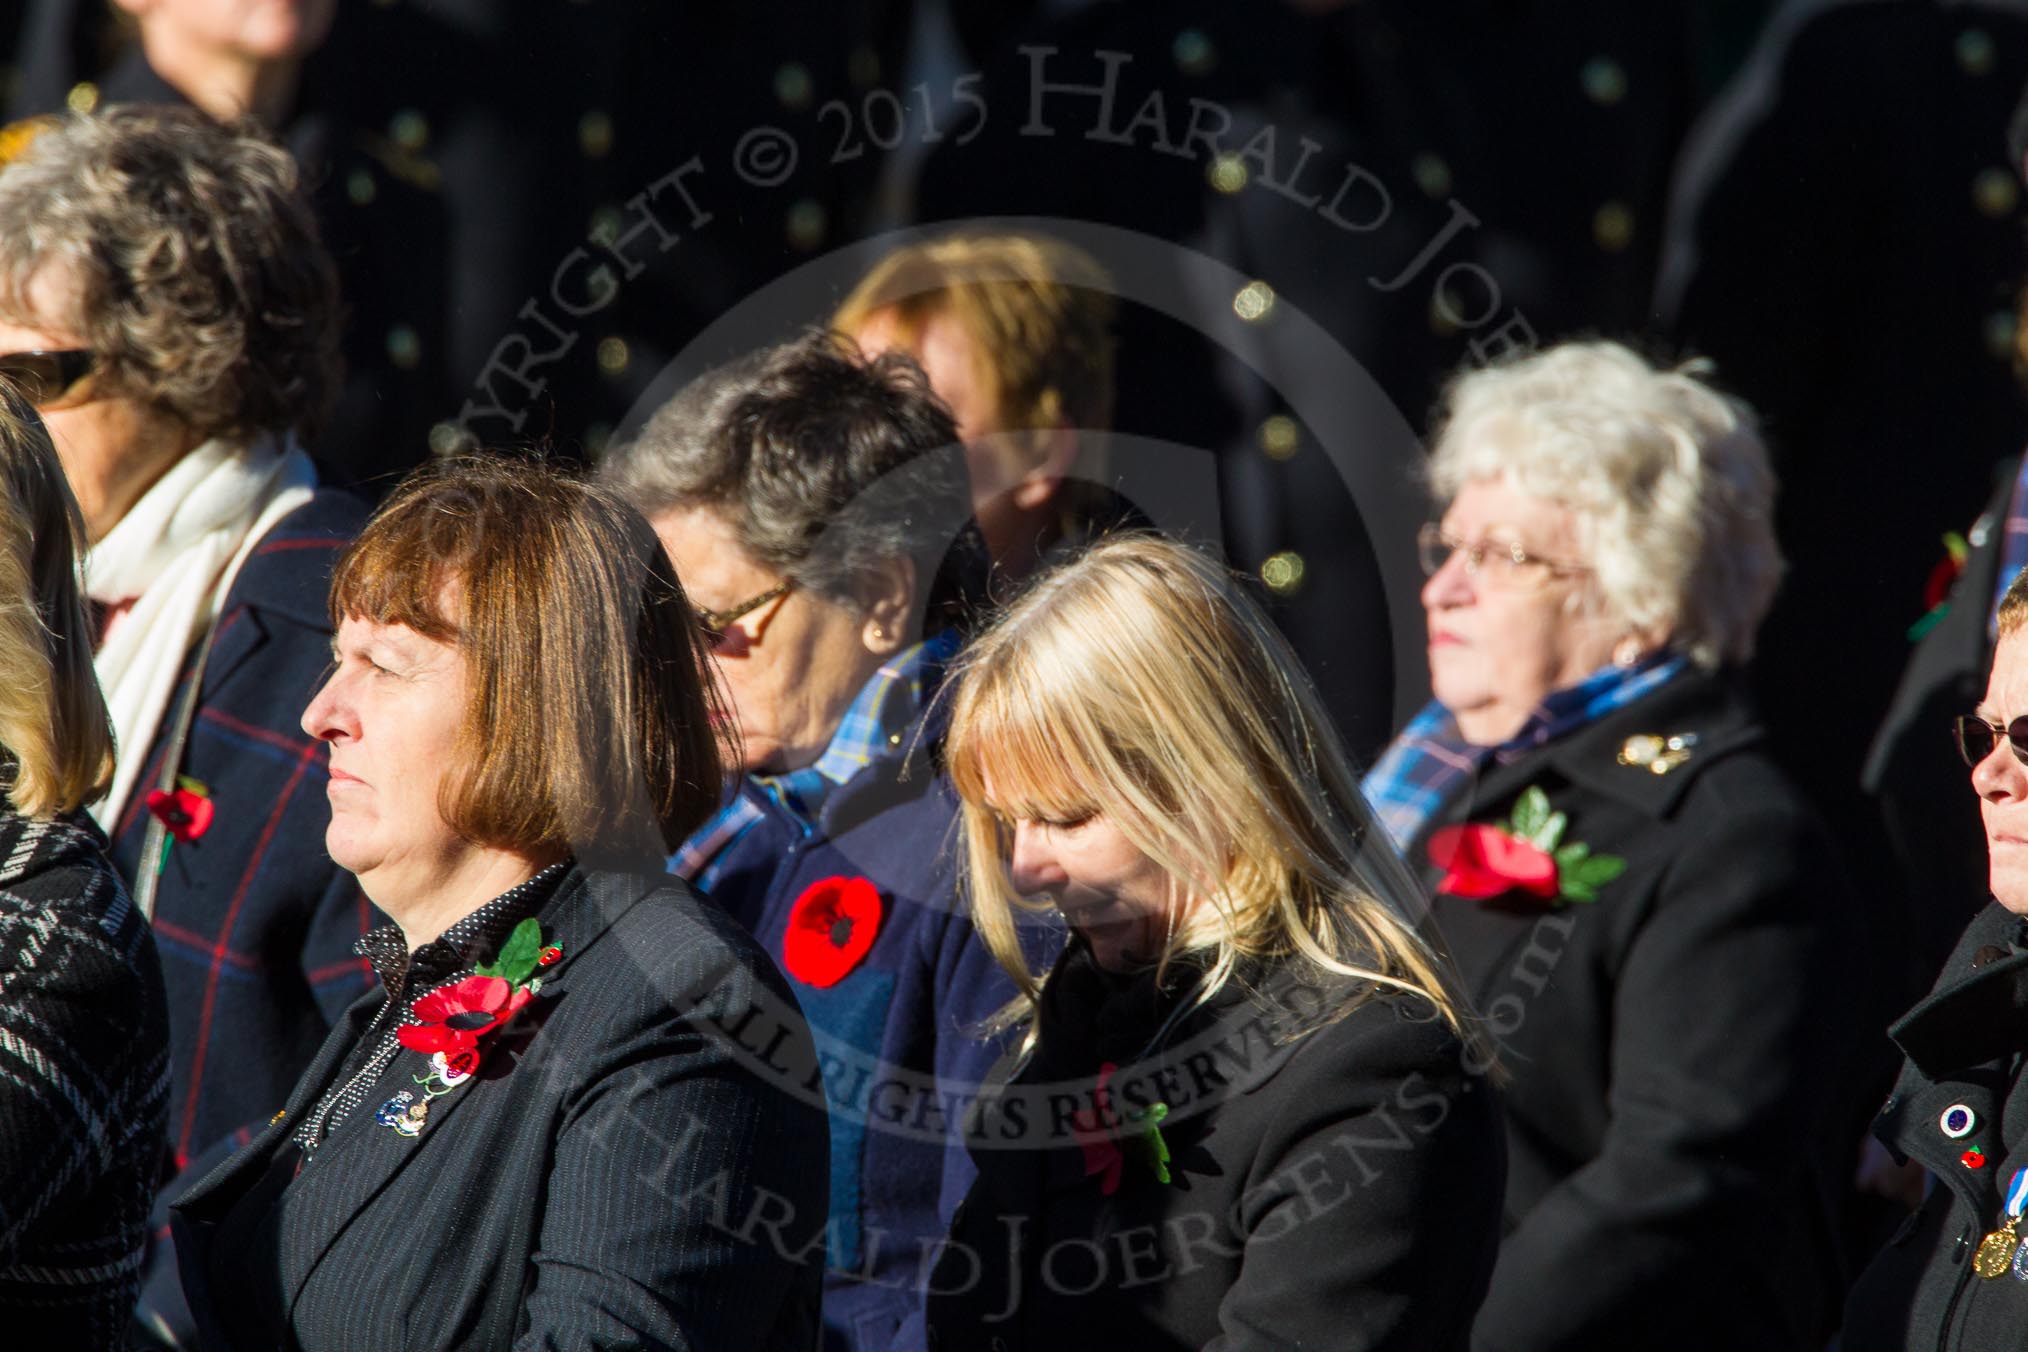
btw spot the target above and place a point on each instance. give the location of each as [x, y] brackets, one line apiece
[2013, 547]
[885, 708]
[1425, 766]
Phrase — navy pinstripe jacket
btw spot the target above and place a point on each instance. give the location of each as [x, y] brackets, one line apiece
[639, 1162]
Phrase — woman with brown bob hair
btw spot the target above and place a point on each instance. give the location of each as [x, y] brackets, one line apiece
[84, 1036]
[541, 1130]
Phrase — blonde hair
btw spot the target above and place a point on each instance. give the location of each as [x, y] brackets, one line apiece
[1038, 312]
[56, 742]
[1667, 476]
[2013, 611]
[1137, 682]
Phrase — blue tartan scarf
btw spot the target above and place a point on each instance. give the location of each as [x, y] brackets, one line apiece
[1430, 762]
[885, 707]
[2013, 547]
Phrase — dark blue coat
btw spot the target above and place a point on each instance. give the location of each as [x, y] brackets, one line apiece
[897, 1036]
[253, 921]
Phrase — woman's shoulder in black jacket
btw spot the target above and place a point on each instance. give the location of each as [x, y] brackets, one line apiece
[1341, 1189]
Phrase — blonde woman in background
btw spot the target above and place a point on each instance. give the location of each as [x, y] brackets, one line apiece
[1248, 1113]
[1016, 335]
[84, 1037]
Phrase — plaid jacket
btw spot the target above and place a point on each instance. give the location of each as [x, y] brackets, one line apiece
[254, 922]
[84, 1087]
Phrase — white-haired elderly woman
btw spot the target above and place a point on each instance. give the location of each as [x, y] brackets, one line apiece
[1640, 905]
[167, 307]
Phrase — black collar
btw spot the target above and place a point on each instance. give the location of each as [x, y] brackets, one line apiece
[1712, 705]
[1978, 1011]
[473, 939]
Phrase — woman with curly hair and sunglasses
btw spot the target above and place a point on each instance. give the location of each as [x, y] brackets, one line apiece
[1247, 1111]
[166, 305]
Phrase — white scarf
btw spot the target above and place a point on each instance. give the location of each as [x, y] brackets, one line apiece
[174, 554]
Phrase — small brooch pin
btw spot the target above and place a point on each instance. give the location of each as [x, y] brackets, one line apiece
[1656, 753]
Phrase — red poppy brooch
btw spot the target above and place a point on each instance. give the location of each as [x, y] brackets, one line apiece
[1101, 1130]
[186, 810]
[831, 928]
[454, 1018]
[1524, 853]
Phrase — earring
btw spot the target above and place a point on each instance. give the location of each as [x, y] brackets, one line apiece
[1627, 651]
[879, 634]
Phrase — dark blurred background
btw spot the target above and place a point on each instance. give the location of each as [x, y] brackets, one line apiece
[538, 206]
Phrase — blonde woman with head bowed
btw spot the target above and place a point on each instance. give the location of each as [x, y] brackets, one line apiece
[1247, 1114]
[84, 1036]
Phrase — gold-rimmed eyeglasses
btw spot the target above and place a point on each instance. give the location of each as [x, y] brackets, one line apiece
[718, 624]
[1494, 562]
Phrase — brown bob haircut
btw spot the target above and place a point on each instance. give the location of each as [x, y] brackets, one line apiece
[589, 727]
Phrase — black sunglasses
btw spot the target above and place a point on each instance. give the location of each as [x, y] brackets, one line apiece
[1977, 738]
[46, 378]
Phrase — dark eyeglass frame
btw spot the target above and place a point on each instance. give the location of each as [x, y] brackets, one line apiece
[46, 378]
[1976, 738]
[714, 623]
[1434, 548]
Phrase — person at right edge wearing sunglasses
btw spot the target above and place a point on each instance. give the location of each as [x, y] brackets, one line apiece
[1956, 1273]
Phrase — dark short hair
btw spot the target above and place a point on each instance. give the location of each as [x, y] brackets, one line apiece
[205, 288]
[827, 463]
[590, 722]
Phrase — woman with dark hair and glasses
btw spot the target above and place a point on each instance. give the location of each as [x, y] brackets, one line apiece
[166, 305]
[1956, 1274]
[814, 501]
[1641, 906]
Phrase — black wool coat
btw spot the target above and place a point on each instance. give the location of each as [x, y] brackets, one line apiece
[84, 1087]
[1341, 1190]
[1965, 1044]
[1683, 1104]
[639, 1163]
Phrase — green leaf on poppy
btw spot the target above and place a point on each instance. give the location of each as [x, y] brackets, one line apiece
[1531, 812]
[1570, 856]
[1150, 1123]
[1600, 869]
[519, 956]
[1551, 832]
[1574, 889]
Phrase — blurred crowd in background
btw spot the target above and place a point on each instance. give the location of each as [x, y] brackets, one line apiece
[1294, 224]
